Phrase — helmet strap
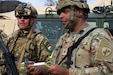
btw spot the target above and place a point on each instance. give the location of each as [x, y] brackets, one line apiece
[69, 24]
[30, 24]
[80, 16]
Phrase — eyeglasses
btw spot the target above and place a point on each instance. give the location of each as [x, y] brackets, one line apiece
[25, 17]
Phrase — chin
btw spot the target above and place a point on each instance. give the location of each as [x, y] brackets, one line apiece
[22, 28]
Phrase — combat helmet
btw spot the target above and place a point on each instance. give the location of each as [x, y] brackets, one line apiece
[25, 9]
[79, 3]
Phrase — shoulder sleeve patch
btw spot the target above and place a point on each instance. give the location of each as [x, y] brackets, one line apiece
[48, 45]
[104, 51]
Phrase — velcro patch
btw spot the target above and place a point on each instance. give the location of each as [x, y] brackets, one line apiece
[49, 47]
[104, 51]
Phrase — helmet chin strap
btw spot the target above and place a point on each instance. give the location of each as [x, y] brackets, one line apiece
[30, 25]
[69, 24]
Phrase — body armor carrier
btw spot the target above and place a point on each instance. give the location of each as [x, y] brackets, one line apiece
[19, 42]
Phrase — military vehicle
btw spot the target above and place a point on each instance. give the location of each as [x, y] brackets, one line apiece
[50, 25]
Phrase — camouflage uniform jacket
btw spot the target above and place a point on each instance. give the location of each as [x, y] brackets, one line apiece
[93, 56]
[37, 48]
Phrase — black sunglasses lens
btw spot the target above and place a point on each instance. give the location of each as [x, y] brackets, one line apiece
[25, 17]
[19, 17]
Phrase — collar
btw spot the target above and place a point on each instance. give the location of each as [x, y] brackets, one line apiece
[85, 27]
[23, 32]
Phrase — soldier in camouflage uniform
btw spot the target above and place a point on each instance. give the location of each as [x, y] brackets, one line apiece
[94, 54]
[27, 43]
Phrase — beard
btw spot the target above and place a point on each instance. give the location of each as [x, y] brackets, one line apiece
[69, 25]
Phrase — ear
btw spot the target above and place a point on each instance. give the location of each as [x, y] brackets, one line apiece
[32, 20]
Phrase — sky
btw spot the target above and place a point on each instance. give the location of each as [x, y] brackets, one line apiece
[42, 2]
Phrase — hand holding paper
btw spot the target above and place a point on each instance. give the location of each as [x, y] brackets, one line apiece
[41, 65]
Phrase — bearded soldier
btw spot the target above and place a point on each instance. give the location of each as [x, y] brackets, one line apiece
[84, 49]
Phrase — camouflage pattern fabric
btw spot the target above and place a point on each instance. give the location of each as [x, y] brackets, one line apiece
[4, 38]
[63, 3]
[25, 9]
[38, 48]
[94, 55]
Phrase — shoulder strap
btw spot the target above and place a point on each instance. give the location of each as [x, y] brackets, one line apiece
[32, 37]
[23, 51]
[70, 49]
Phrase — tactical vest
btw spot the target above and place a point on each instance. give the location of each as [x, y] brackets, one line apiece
[16, 43]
